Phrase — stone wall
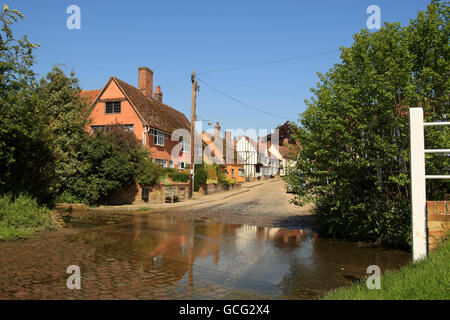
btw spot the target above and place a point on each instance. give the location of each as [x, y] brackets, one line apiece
[216, 187]
[132, 194]
[438, 222]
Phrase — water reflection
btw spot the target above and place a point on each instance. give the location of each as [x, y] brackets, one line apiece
[236, 260]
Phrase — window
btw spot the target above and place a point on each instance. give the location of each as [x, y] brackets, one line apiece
[171, 164]
[99, 128]
[232, 173]
[241, 173]
[161, 162]
[113, 107]
[185, 146]
[95, 129]
[181, 165]
[128, 127]
[158, 137]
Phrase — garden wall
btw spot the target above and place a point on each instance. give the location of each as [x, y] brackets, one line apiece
[132, 194]
[438, 222]
[216, 187]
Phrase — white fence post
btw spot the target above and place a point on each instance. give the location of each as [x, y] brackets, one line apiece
[418, 188]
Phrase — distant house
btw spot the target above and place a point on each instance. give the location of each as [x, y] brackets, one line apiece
[143, 112]
[268, 161]
[223, 152]
[284, 156]
[247, 150]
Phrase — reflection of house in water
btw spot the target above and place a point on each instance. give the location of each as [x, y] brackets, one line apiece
[281, 238]
[171, 246]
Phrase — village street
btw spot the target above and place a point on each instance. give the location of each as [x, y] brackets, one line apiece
[250, 243]
[262, 203]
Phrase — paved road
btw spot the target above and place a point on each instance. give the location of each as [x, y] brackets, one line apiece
[268, 198]
[261, 204]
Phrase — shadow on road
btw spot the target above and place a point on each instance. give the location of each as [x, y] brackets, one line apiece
[296, 222]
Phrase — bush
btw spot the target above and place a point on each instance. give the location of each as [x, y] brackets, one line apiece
[108, 161]
[211, 174]
[22, 216]
[149, 173]
[179, 176]
[200, 176]
[67, 197]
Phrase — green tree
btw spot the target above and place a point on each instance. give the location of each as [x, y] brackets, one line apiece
[25, 148]
[353, 161]
[63, 111]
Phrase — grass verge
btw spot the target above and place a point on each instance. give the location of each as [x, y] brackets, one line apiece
[426, 279]
[22, 217]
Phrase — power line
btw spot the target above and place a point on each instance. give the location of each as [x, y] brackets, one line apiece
[258, 88]
[270, 62]
[176, 81]
[241, 102]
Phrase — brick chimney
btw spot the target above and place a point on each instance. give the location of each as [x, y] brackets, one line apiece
[158, 95]
[146, 81]
[229, 148]
[217, 129]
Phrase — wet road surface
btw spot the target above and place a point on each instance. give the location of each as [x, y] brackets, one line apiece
[164, 257]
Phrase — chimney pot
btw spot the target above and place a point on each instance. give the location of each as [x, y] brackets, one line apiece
[158, 95]
[217, 131]
[146, 81]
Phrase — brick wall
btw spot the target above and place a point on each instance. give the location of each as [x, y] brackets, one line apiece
[132, 194]
[438, 222]
[216, 187]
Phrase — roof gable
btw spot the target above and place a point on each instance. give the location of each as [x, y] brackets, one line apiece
[156, 114]
[152, 113]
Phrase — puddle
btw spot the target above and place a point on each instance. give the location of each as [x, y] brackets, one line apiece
[203, 259]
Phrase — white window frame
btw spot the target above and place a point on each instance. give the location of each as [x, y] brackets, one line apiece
[159, 137]
[185, 146]
[161, 162]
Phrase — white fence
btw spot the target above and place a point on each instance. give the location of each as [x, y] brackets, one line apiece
[418, 178]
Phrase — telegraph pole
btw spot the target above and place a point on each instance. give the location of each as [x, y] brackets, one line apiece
[195, 88]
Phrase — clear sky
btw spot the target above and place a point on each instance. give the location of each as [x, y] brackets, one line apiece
[175, 37]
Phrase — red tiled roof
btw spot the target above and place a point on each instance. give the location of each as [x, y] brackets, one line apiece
[90, 95]
[157, 114]
[284, 151]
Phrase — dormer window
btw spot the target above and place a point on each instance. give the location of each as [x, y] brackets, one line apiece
[113, 107]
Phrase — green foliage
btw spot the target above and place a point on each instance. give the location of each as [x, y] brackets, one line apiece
[200, 176]
[424, 280]
[22, 216]
[354, 157]
[62, 109]
[211, 174]
[149, 173]
[67, 197]
[25, 148]
[178, 176]
[106, 165]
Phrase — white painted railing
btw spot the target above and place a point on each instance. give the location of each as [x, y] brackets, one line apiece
[418, 178]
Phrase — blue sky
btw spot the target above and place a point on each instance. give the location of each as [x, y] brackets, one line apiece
[175, 37]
